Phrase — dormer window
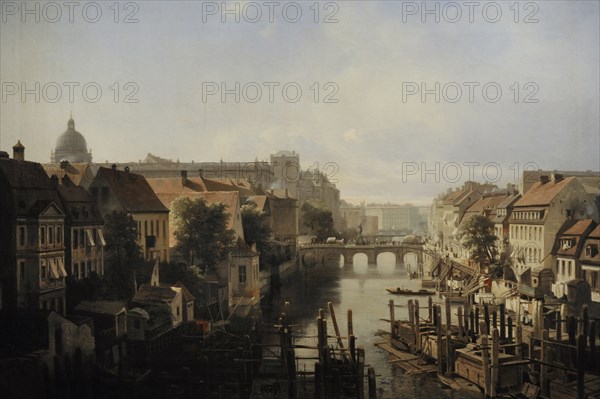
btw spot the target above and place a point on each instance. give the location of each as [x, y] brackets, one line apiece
[567, 243]
[591, 250]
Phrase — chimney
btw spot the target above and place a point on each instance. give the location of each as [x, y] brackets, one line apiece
[65, 181]
[19, 151]
[54, 181]
[114, 166]
[544, 179]
[64, 164]
[4, 155]
[184, 177]
[201, 173]
[556, 177]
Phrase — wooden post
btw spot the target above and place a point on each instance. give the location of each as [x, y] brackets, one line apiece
[430, 308]
[411, 322]
[438, 332]
[510, 329]
[486, 316]
[335, 325]
[558, 327]
[477, 320]
[495, 362]
[466, 319]
[352, 348]
[448, 314]
[372, 383]
[486, 362]
[540, 318]
[572, 330]
[494, 320]
[519, 351]
[592, 338]
[435, 315]
[502, 321]
[472, 321]
[350, 325]
[449, 362]
[585, 320]
[360, 383]
[417, 327]
[460, 322]
[544, 359]
[581, 367]
[392, 321]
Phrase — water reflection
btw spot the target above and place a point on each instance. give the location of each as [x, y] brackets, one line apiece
[360, 264]
[386, 263]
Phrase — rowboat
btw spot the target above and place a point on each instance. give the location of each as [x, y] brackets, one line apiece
[402, 291]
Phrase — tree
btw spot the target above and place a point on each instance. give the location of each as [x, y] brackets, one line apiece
[201, 232]
[319, 220]
[124, 259]
[256, 227]
[477, 235]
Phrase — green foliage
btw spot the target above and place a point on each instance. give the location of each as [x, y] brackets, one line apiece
[190, 276]
[319, 220]
[201, 232]
[477, 235]
[256, 227]
[86, 289]
[124, 260]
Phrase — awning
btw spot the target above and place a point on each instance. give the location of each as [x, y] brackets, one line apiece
[90, 237]
[593, 268]
[101, 238]
[53, 270]
[61, 268]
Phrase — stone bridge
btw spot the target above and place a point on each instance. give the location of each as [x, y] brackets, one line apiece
[330, 253]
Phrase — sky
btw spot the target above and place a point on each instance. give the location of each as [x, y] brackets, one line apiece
[394, 101]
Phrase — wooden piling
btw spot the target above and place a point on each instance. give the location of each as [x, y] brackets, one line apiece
[558, 326]
[486, 316]
[495, 362]
[502, 321]
[509, 329]
[438, 332]
[539, 322]
[466, 319]
[581, 367]
[411, 321]
[449, 360]
[486, 362]
[584, 320]
[494, 320]
[350, 325]
[417, 327]
[477, 320]
[319, 382]
[460, 322]
[430, 308]
[335, 325]
[448, 314]
[372, 383]
[352, 348]
[572, 330]
[392, 320]
[592, 338]
[360, 379]
[519, 350]
[544, 361]
[472, 321]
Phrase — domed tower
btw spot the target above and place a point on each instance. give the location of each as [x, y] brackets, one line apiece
[71, 146]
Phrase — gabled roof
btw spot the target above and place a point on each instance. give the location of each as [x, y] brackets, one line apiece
[152, 294]
[171, 185]
[187, 295]
[542, 194]
[577, 232]
[260, 201]
[78, 173]
[132, 190]
[24, 175]
[102, 306]
[79, 205]
[227, 184]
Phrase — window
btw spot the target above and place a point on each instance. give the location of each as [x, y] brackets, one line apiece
[50, 235]
[158, 228]
[43, 235]
[82, 238]
[242, 273]
[164, 228]
[145, 227]
[43, 270]
[21, 272]
[21, 236]
[152, 227]
[58, 234]
[75, 239]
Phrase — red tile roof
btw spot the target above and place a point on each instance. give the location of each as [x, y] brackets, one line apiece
[543, 194]
[132, 190]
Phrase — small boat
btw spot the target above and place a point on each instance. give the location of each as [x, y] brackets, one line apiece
[402, 291]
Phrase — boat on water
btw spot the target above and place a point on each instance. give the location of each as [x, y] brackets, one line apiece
[402, 291]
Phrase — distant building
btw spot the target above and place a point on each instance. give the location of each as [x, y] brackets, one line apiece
[116, 190]
[568, 255]
[71, 146]
[394, 218]
[590, 262]
[32, 253]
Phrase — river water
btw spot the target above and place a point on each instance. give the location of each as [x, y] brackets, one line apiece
[360, 287]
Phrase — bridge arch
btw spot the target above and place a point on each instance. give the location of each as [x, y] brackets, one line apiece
[387, 257]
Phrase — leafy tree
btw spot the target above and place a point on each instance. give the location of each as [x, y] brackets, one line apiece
[319, 220]
[190, 276]
[256, 227]
[201, 232]
[477, 235]
[86, 289]
[124, 260]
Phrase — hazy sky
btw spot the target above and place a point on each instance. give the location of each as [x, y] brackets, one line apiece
[369, 58]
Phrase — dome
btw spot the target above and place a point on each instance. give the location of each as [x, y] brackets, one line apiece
[71, 146]
[71, 140]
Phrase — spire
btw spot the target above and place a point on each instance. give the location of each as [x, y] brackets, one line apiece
[71, 123]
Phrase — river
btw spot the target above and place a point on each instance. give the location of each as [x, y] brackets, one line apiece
[360, 287]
